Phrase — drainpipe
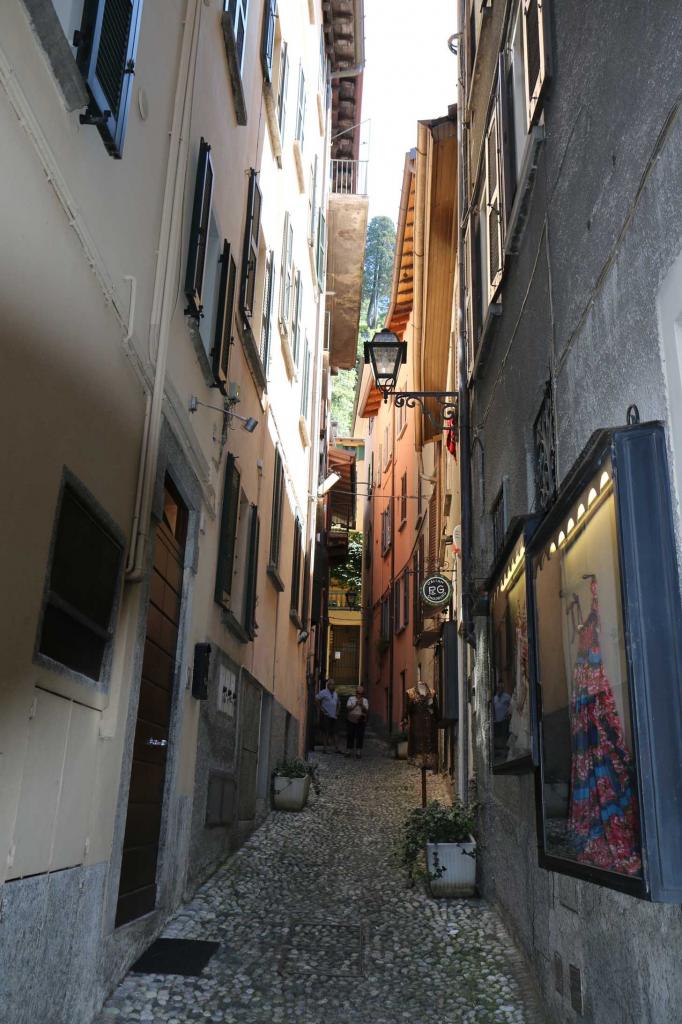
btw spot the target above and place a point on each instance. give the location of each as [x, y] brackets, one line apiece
[417, 307]
[165, 287]
[391, 660]
[463, 397]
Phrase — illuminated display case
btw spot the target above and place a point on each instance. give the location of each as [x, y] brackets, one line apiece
[513, 748]
[607, 642]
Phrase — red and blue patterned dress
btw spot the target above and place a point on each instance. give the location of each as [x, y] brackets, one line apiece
[603, 822]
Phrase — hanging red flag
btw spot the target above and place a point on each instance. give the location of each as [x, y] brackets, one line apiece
[451, 437]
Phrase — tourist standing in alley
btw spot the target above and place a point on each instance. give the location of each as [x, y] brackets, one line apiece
[328, 703]
[357, 709]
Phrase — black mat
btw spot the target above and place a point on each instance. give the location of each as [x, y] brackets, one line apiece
[175, 956]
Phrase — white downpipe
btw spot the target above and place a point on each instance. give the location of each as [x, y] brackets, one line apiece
[164, 298]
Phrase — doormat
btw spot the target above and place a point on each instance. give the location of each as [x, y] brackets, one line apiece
[187, 957]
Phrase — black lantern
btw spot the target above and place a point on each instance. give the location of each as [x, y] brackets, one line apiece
[386, 353]
[351, 597]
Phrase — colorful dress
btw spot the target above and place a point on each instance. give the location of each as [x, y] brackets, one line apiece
[603, 822]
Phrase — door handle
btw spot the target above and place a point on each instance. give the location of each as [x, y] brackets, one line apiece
[151, 742]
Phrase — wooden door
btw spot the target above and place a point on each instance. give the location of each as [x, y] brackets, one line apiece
[137, 886]
[249, 730]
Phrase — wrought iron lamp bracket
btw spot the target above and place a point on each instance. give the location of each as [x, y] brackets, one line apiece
[447, 400]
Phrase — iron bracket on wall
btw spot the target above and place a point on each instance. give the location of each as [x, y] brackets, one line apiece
[447, 400]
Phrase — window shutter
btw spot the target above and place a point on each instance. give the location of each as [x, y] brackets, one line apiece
[406, 598]
[536, 65]
[321, 247]
[198, 236]
[252, 574]
[305, 386]
[298, 300]
[267, 43]
[283, 89]
[296, 567]
[300, 107]
[277, 500]
[228, 532]
[111, 48]
[287, 257]
[223, 326]
[506, 133]
[493, 211]
[266, 332]
[250, 255]
[313, 202]
[433, 524]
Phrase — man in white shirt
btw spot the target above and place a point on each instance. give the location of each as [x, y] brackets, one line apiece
[328, 703]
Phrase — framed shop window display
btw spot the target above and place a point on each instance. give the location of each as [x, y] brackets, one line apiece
[608, 658]
[512, 704]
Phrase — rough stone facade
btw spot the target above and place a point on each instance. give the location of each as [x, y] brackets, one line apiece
[579, 309]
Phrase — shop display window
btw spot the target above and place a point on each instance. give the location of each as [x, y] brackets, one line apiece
[511, 701]
[606, 633]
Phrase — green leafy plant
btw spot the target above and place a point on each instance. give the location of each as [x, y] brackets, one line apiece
[296, 768]
[349, 573]
[397, 737]
[435, 823]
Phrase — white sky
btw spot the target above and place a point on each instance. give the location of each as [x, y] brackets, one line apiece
[410, 76]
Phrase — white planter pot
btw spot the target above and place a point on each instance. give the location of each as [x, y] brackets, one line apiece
[290, 794]
[459, 861]
[401, 750]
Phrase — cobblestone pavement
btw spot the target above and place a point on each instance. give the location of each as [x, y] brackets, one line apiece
[317, 925]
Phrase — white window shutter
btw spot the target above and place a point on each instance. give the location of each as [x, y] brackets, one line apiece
[535, 56]
[493, 211]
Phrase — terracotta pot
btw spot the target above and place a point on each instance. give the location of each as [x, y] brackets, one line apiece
[401, 750]
[459, 861]
[290, 794]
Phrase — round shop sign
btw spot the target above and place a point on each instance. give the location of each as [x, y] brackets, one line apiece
[436, 591]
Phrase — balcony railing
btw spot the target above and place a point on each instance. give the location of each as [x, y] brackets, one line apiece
[349, 177]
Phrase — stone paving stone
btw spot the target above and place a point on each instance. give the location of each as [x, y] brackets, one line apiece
[317, 925]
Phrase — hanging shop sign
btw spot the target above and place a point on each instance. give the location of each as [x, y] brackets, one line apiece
[436, 591]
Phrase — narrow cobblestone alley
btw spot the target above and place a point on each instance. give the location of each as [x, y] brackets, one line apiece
[316, 925]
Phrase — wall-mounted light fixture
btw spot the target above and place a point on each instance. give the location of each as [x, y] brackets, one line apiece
[248, 422]
[386, 353]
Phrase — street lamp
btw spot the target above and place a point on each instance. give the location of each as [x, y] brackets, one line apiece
[386, 353]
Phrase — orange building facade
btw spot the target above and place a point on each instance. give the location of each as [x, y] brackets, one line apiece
[410, 474]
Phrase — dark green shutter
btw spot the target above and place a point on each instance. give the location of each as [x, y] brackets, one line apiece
[277, 499]
[252, 574]
[198, 236]
[247, 286]
[267, 44]
[111, 45]
[228, 532]
[223, 325]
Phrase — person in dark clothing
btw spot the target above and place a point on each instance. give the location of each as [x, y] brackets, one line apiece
[357, 709]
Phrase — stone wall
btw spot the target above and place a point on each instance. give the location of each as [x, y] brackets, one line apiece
[579, 303]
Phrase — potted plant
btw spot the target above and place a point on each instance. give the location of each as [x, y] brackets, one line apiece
[398, 741]
[291, 781]
[444, 835]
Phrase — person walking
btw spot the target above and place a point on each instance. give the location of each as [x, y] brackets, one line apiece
[328, 703]
[357, 709]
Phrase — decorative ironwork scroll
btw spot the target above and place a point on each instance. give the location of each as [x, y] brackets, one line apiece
[447, 401]
[545, 452]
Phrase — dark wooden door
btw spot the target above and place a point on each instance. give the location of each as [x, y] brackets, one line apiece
[137, 886]
[249, 730]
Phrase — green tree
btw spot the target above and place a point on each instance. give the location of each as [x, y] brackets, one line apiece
[376, 295]
[378, 269]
